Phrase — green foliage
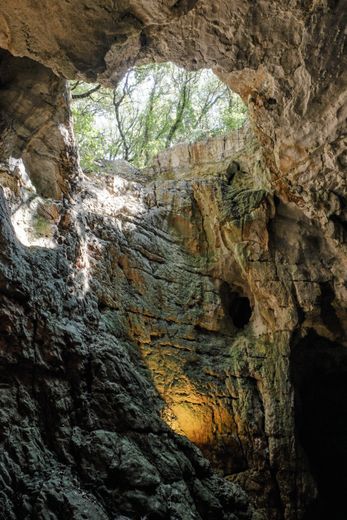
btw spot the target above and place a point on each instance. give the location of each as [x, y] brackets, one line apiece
[152, 108]
[42, 226]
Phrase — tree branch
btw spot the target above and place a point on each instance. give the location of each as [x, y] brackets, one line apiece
[86, 94]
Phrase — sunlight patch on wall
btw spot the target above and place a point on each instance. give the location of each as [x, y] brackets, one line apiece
[115, 195]
[34, 219]
[193, 420]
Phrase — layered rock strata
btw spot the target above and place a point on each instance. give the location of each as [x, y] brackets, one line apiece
[81, 428]
[245, 339]
[193, 279]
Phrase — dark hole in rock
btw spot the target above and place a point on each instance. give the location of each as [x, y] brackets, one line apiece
[235, 305]
[102, 306]
[328, 313]
[277, 201]
[232, 170]
[144, 40]
[183, 6]
[319, 374]
[271, 101]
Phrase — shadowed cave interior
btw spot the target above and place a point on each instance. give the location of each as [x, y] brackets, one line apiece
[320, 383]
[236, 306]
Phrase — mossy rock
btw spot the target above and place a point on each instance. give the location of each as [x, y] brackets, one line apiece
[239, 204]
[42, 226]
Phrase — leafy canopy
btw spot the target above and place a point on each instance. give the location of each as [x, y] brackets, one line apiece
[152, 108]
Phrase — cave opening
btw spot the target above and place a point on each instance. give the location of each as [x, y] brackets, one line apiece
[152, 108]
[118, 132]
[236, 306]
[320, 384]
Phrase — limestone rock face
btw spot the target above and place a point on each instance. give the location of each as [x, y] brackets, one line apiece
[82, 434]
[286, 59]
[205, 296]
[208, 277]
[36, 124]
[169, 300]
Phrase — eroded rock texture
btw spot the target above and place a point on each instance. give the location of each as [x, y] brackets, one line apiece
[36, 125]
[81, 428]
[206, 295]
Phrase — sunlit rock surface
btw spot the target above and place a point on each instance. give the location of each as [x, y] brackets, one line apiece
[210, 300]
[82, 423]
[190, 281]
[206, 273]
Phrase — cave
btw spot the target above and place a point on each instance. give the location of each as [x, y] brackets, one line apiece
[152, 108]
[236, 306]
[318, 367]
[122, 347]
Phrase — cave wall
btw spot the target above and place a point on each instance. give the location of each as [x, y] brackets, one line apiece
[82, 434]
[89, 367]
[36, 124]
[286, 59]
[318, 370]
[202, 245]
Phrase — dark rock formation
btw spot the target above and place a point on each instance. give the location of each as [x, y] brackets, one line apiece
[201, 302]
[81, 432]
